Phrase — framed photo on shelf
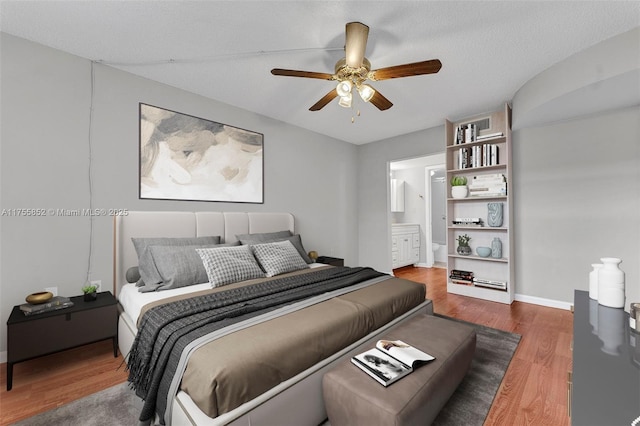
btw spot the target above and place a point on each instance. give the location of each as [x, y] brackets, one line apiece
[188, 158]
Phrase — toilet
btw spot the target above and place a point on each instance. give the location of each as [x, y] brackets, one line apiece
[439, 253]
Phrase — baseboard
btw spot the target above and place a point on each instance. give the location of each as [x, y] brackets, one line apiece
[544, 302]
[3, 357]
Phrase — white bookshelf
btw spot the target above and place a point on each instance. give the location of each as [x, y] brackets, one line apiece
[497, 269]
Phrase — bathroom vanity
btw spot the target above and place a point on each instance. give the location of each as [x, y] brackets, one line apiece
[405, 244]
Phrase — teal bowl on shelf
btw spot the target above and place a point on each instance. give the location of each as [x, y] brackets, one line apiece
[483, 251]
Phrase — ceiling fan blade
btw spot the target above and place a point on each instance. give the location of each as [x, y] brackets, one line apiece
[407, 70]
[305, 74]
[324, 101]
[355, 43]
[380, 101]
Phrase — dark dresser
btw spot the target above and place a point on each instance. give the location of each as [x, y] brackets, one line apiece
[605, 385]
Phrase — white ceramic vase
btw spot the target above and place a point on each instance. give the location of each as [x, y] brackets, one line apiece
[459, 191]
[611, 283]
[593, 280]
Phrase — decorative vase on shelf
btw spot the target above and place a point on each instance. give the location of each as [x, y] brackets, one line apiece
[496, 248]
[494, 215]
[464, 250]
[593, 280]
[459, 191]
[611, 283]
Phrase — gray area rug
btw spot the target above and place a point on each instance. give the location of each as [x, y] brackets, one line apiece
[471, 402]
[469, 405]
[115, 406]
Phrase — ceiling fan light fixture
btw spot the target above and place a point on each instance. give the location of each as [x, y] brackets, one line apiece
[344, 88]
[345, 101]
[366, 92]
[355, 69]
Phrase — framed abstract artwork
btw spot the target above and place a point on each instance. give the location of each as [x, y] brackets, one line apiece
[183, 157]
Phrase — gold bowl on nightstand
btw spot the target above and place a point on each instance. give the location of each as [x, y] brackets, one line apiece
[40, 297]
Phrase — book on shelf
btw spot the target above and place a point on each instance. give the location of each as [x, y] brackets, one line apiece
[466, 279]
[459, 275]
[459, 135]
[488, 185]
[478, 156]
[55, 303]
[390, 360]
[490, 136]
[463, 282]
[471, 132]
[494, 158]
[490, 191]
[467, 221]
[493, 177]
[481, 282]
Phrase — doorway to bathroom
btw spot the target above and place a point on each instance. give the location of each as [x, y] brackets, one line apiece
[435, 179]
[418, 198]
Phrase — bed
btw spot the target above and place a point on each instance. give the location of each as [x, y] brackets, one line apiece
[294, 394]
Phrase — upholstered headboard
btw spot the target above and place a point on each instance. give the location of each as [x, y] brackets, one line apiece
[185, 224]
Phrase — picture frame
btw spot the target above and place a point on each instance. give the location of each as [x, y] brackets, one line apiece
[188, 158]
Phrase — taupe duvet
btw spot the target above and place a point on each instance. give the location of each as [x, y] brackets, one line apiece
[235, 368]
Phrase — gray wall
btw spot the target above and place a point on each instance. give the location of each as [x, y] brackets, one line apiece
[374, 217]
[44, 163]
[577, 199]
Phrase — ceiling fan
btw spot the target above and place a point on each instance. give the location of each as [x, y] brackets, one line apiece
[354, 70]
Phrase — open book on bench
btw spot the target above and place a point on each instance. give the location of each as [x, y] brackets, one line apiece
[390, 360]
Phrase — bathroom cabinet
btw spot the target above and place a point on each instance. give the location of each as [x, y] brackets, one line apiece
[405, 244]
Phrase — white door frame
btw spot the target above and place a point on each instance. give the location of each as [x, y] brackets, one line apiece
[427, 210]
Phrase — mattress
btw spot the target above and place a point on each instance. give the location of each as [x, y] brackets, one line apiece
[132, 301]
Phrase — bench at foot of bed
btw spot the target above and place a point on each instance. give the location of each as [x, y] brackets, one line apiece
[354, 398]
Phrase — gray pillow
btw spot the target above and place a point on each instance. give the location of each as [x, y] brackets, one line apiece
[264, 237]
[141, 244]
[278, 257]
[149, 274]
[177, 266]
[227, 265]
[132, 275]
[272, 237]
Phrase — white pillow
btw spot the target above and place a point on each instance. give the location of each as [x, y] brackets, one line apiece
[227, 265]
[278, 257]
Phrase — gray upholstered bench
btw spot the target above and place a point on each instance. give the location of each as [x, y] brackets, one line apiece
[353, 398]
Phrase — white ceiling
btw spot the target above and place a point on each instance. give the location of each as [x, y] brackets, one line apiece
[225, 50]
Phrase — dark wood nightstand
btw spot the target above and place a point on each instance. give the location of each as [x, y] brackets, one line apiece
[334, 261]
[32, 336]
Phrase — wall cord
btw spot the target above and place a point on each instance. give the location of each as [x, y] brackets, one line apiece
[90, 173]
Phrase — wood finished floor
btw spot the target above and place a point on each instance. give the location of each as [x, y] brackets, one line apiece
[533, 392]
[534, 389]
